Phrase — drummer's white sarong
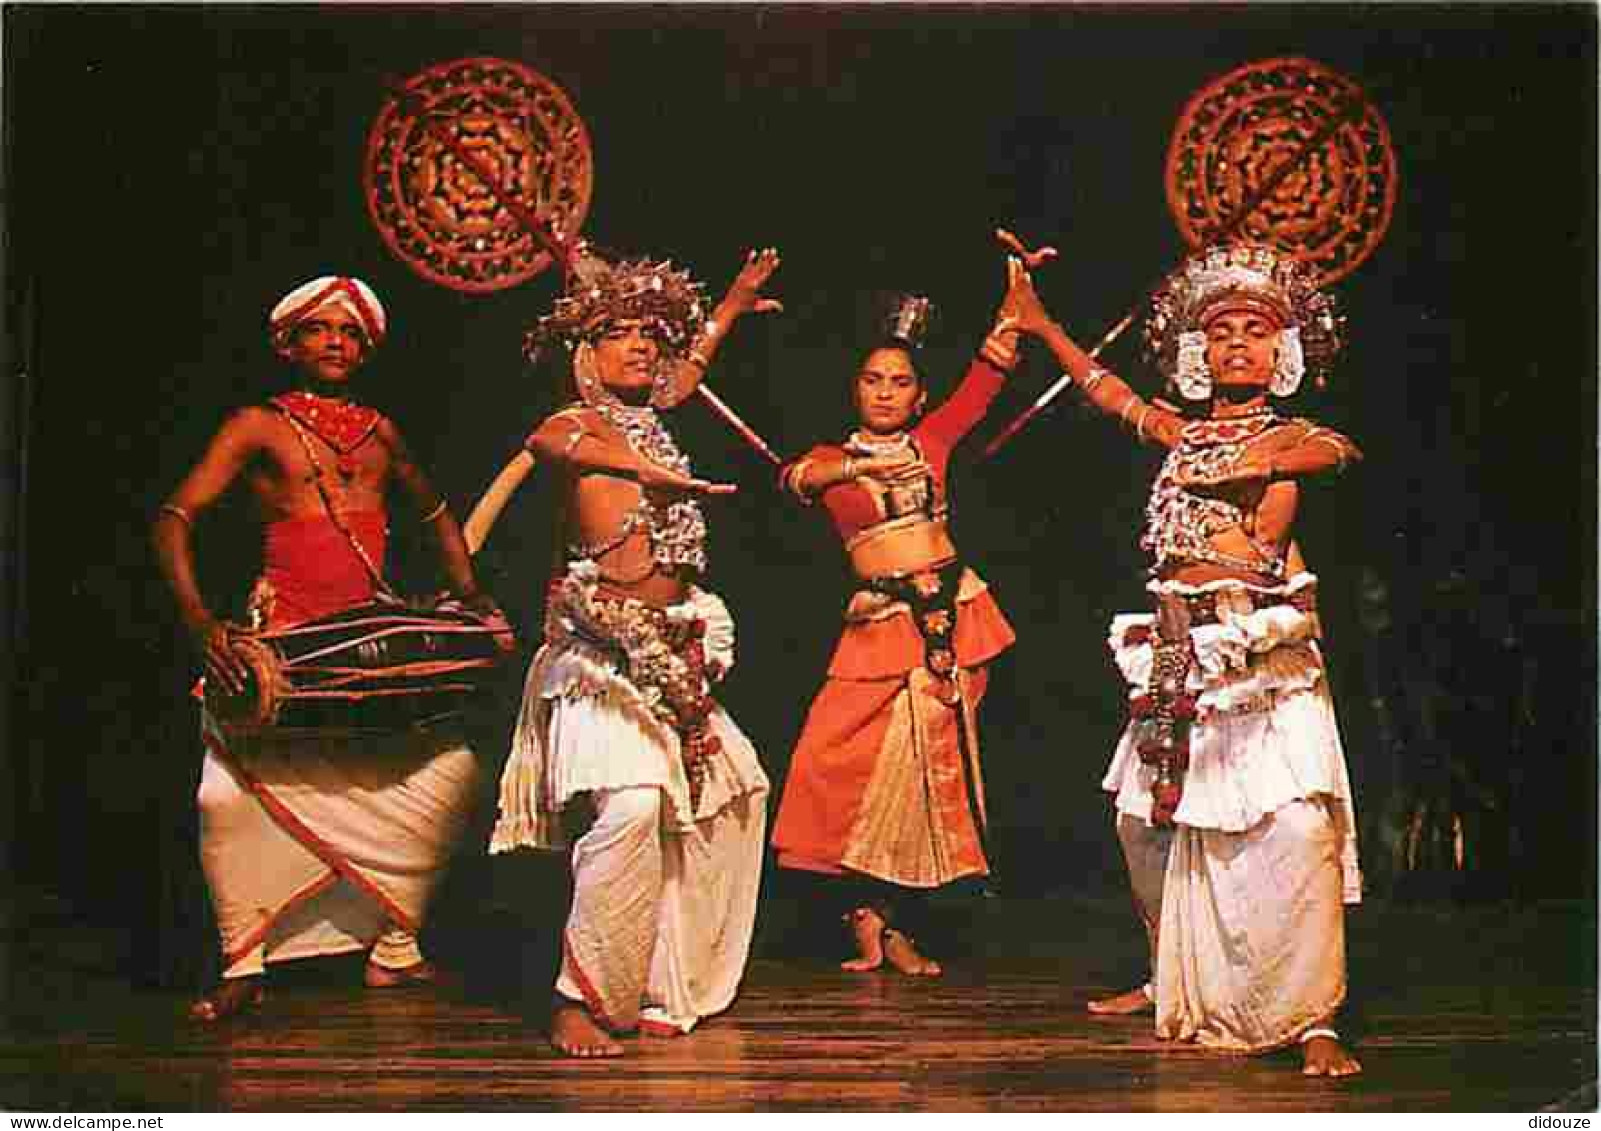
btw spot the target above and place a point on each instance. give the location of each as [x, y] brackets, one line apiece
[317, 844]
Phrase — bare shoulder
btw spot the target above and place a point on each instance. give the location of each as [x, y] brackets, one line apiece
[252, 426]
[570, 420]
[388, 431]
[251, 418]
[576, 416]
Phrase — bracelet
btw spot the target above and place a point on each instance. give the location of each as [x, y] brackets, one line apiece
[178, 513]
[435, 513]
[573, 441]
[1341, 455]
[1091, 379]
[793, 479]
[696, 358]
[849, 470]
[1320, 1032]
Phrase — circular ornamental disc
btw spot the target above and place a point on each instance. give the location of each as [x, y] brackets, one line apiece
[1238, 132]
[434, 209]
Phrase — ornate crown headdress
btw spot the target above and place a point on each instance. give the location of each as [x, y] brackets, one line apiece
[600, 293]
[1253, 277]
[906, 319]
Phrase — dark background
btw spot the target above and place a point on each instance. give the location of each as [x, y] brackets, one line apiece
[170, 173]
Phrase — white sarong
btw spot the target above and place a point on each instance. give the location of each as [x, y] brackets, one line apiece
[318, 844]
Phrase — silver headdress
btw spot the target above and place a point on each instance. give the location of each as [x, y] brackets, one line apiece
[1252, 277]
[907, 319]
[670, 303]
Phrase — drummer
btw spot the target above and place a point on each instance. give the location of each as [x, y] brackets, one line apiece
[332, 844]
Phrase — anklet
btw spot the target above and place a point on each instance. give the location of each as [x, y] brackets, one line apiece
[1310, 1033]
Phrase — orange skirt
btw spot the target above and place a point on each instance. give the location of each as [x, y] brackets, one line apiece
[886, 778]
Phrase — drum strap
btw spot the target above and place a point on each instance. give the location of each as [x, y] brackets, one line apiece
[333, 513]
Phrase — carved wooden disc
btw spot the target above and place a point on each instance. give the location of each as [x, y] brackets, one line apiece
[434, 210]
[1332, 208]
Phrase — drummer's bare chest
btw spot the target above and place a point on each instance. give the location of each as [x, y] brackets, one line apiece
[283, 476]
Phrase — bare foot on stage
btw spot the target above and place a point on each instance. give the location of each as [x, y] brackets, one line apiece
[1125, 1004]
[905, 957]
[573, 1032]
[867, 927]
[1325, 1056]
[382, 977]
[234, 996]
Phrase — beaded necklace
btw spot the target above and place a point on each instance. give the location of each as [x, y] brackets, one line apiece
[678, 528]
[1180, 524]
[343, 425]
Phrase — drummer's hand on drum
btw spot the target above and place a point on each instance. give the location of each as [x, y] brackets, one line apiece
[483, 605]
[223, 664]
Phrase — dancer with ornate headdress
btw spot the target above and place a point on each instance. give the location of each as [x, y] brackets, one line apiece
[885, 789]
[618, 726]
[316, 842]
[1233, 802]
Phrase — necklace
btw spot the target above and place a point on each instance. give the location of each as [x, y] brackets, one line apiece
[677, 528]
[642, 427]
[343, 425]
[866, 444]
[1228, 429]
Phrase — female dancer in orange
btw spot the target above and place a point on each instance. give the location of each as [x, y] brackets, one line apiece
[885, 789]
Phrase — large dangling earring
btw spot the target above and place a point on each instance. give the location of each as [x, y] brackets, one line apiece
[1191, 376]
[661, 385]
[1290, 365]
[586, 375]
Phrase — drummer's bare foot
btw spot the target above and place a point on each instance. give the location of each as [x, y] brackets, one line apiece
[231, 998]
[573, 1032]
[1324, 1055]
[903, 954]
[383, 977]
[1125, 1004]
[867, 929]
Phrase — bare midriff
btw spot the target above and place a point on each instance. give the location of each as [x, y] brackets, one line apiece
[900, 547]
[628, 568]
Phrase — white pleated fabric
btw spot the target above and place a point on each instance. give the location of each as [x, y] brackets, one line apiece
[664, 900]
[1251, 948]
[1247, 891]
[325, 845]
[1265, 734]
[661, 921]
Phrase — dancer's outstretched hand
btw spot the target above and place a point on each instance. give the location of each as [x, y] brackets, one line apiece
[656, 478]
[745, 292]
[1031, 259]
[1021, 309]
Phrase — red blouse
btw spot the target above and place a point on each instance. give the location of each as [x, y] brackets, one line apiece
[852, 507]
[891, 646]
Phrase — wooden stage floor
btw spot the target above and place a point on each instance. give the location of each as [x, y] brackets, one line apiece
[1488, 1008]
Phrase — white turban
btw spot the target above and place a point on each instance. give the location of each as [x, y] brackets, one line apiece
[341, 291]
